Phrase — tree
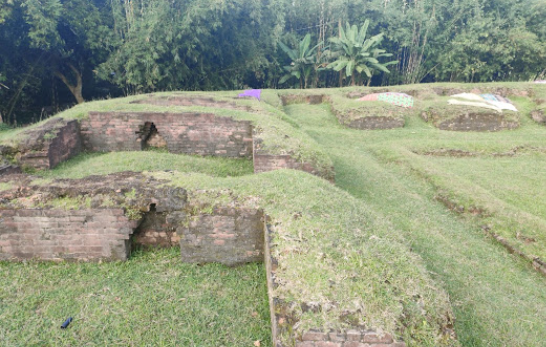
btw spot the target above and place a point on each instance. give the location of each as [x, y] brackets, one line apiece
[70, 36]
[357, 54]
[303, 61]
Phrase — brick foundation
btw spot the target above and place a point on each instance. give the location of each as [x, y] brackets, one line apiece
[186, 133]
[60, 234]
[291, 99]
[50, 144]
[230, 236]
[160, 216]
[467, 121]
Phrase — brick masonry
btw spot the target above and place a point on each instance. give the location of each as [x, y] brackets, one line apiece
[160, 216]
[229, 235]
[186, 133]
[349, 338]
[60, 234]
[50, 144]
[290, 99]
[376, 122]
[468, 121]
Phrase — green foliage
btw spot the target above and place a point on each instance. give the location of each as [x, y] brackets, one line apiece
[303, 58]
[55, 51]
[357, 54]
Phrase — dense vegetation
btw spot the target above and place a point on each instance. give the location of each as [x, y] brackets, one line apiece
[57, 52]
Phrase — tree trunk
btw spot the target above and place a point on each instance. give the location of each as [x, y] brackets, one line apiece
[76, 89]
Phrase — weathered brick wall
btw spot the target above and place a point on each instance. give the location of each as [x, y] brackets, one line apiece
[350, 338]
[231, 233]
[229, 236]
[66, 144]
[477, 122]
[376, 122]
[290, 99]
[156, 231]
[60, 234]
[264, 162]
[50, 144]
[187, 133]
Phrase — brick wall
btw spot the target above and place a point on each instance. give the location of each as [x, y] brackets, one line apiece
[477, 122]
[229, 236]
[350, 338]
[51, 144]
[60, 234]
[290, 99]
[187, 133]
[156, 231]
[264, 162]
[66, 144]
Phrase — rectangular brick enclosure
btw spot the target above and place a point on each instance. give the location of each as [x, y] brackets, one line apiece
[185, 133]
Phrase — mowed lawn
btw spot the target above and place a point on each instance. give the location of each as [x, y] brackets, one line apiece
[153, 299]
[498, 299]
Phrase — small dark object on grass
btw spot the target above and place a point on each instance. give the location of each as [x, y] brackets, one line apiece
[66, 322]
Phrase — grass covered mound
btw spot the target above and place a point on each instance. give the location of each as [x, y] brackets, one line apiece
[465, 118]
[273, 129]
[367, 114]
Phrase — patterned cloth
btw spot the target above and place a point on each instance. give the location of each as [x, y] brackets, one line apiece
[491, 101]
[255, 93]
[397, 99]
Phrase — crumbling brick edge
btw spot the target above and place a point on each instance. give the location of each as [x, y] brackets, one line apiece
[355, 337]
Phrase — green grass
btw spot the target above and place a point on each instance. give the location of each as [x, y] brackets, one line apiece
[151, 300]
[106, 163]
[498, 299]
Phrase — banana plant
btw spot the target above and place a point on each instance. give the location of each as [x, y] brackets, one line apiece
[356, 54]
[303, 61]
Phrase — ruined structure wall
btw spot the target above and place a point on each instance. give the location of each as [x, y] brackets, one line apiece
[60, 234]
[46, 153]
[229, 236]
[284, 322]
[187, 133]
[477, 122]
[264, 162]
[66, 145]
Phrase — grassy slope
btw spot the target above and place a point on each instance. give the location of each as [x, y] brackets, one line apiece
[498, 299]
[106, 163]
[151, 300]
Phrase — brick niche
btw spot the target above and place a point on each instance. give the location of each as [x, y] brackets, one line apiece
[185, 133]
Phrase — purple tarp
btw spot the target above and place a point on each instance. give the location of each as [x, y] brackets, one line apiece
[255, 93]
